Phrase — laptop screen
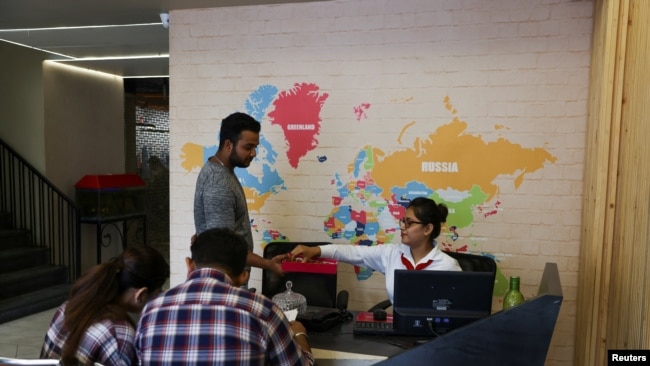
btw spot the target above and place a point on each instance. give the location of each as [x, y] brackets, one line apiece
[435, 302]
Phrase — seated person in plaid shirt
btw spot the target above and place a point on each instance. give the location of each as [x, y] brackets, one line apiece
[94, 325]
[210, 320]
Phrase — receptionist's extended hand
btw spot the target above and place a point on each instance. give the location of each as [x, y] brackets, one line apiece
[307, 253]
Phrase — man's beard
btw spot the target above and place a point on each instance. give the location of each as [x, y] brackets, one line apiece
[236, 162]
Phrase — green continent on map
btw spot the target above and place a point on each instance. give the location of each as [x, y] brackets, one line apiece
[461, 211]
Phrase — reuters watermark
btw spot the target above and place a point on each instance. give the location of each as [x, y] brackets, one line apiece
[628, 357]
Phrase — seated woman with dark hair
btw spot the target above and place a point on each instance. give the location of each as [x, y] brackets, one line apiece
[94, 325]
[419, 249]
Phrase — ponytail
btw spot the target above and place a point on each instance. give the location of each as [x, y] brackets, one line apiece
[96, 296]
[89, 301]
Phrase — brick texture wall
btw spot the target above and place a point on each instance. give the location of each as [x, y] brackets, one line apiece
[516, 70]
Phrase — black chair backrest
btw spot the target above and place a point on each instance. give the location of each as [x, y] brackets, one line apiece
[318, 289]
[474, 263]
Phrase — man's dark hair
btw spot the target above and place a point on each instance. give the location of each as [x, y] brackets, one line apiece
[221, 248]
[233, 125]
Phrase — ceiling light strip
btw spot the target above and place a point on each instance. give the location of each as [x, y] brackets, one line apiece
[109, 58]
[86, 69]
[73, 59]
[36, 48]
[80, 27]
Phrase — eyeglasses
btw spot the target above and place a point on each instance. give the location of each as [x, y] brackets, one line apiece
[407, 223]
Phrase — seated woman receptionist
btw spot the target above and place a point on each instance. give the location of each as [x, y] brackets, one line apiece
[419, 228]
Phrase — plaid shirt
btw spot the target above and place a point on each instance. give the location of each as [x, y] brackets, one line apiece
[208, 321]
[107, 342]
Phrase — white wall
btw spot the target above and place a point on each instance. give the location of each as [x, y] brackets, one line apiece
[65, 121]
[21, 102]
[514, 71]
[84, 124]
[84, 134]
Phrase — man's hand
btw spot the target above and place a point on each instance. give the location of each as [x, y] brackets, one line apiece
[275, 264]
[281, 257]
[300, 335]
[297, 327]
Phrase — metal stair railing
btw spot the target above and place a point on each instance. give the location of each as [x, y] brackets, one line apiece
[36, 205]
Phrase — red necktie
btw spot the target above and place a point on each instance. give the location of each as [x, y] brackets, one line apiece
[408, 264]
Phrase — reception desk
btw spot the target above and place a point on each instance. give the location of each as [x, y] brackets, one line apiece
[517, 336]
[339, 346]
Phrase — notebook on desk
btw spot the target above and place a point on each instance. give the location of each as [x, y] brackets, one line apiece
[430, 303]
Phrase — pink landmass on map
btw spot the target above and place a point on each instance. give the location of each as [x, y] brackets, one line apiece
[297, 111]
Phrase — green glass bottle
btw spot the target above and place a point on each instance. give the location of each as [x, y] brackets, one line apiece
[513, 297]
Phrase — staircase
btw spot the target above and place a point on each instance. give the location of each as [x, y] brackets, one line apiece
[39, 240]
[29, 283]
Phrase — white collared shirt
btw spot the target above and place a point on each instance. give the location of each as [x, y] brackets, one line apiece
[386, 258]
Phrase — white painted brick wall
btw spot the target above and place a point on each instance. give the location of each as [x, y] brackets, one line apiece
[519, 64]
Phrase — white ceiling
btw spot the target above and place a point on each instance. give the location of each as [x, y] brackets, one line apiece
[139, 32]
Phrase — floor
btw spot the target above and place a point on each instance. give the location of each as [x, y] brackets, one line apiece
[23, 338]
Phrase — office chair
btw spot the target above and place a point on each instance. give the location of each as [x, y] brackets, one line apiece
[474, 262]
[319, 289]
[468, 262]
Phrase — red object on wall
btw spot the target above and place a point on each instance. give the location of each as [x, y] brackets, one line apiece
[108, 181]
[110, 197]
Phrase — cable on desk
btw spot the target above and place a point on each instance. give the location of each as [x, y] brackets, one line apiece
[432, 327]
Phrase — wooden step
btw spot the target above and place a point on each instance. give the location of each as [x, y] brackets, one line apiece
[33, 302]
[14, 238]
[16, 259]
[6, 221]
[31, 279]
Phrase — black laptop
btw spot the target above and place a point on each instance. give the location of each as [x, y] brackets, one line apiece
[430, 303]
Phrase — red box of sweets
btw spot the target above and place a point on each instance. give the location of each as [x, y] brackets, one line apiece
[320, 265]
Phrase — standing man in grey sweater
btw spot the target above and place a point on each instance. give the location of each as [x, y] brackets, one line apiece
[219, 200]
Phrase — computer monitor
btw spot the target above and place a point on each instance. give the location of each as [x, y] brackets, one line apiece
[506, 337]
[430, 303]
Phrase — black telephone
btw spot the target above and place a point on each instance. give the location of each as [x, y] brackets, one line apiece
[320, 320]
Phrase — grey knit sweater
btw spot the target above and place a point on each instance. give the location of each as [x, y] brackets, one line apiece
[219, 201]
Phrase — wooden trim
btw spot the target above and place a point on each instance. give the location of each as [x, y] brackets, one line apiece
[613, 290]
[600, 181]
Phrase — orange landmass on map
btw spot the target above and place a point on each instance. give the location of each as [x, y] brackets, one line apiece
[192, 156]
[451, 158]
[254, 200]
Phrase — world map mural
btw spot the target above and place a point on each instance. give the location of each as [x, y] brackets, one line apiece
[450, 165]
